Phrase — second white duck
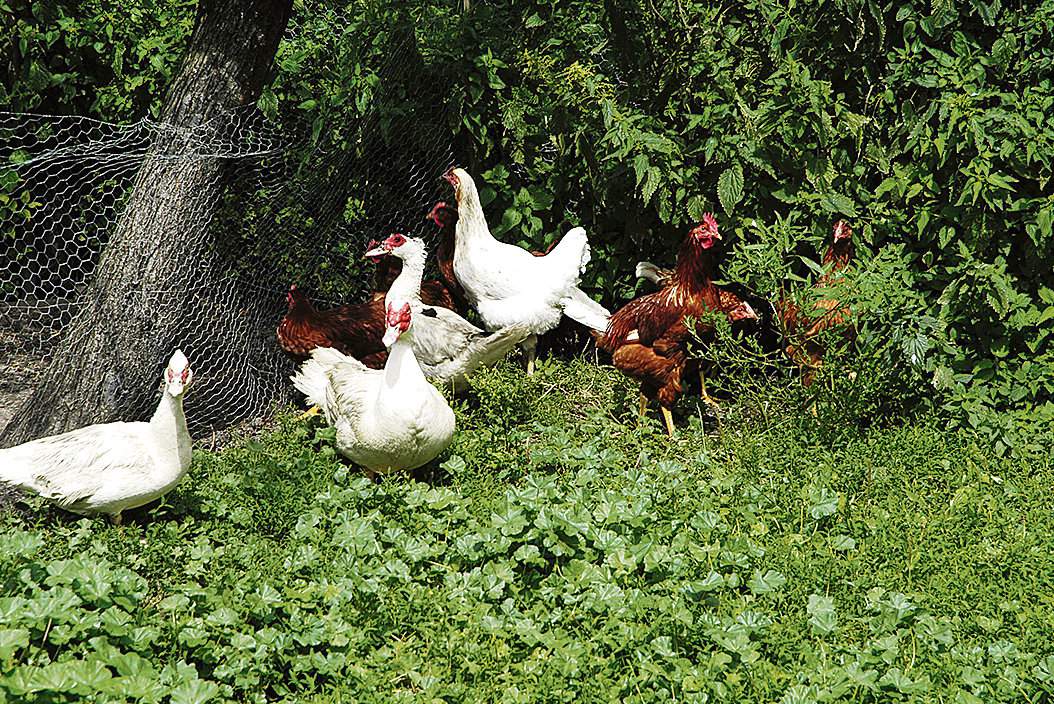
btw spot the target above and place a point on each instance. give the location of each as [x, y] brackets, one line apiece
[387, 419]
[448, 347]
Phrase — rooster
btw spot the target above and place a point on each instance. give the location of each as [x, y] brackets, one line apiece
[647, 337]
[509, 286]
[806, 330]
[355, 330]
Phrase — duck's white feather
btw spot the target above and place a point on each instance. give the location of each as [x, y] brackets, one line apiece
[448, 347]
[386, 420]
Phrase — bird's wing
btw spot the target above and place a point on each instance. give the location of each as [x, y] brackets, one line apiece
[578, 306]
[483, 350]
[72, 467]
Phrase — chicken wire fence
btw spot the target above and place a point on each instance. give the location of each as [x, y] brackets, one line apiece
[289, 210]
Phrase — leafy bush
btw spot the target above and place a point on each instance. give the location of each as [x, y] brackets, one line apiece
[926, 124]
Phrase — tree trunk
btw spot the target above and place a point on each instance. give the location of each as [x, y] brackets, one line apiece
[149, 280]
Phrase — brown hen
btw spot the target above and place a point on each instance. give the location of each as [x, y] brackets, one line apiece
[356, 329]
[647, 337]
[806, 329]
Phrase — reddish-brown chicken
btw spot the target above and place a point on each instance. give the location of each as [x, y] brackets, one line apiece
[433, 291]
[356, 329]
[445, 218]
[805, 330]
[647, 338]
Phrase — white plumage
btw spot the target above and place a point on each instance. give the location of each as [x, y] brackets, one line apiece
[110, 467]
[448, 347]
[386, 419]
[507, 284]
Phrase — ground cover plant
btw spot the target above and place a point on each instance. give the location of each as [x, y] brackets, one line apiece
[560, 551]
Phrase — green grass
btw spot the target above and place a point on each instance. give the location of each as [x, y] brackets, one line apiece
[563, 552]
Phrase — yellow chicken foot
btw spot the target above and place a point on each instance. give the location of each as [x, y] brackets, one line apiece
[707, 398]
[313, 411]
[667, 416]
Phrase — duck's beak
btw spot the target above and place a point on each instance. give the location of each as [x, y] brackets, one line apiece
[376, 253]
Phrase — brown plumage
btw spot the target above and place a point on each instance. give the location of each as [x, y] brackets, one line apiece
[647, 337]
[356, 329]
[805, 330]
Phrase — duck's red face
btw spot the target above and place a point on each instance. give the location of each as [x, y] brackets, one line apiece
[377, 250]
[397, 321]
[706, 233]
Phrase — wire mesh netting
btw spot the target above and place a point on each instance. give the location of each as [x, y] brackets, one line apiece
[287, 209]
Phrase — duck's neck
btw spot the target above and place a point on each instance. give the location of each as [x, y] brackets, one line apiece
[407, 285]
[402, 370]
[471, 225]
[170, 428]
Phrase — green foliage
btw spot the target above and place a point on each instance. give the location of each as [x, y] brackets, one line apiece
[927, 125]
[93, 57]
[616, 565]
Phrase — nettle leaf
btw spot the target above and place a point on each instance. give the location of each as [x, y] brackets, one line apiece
[838, 204]
[822, 616]
[651, 184]
[730, 187]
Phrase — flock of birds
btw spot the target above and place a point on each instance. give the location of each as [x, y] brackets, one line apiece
[372, 369]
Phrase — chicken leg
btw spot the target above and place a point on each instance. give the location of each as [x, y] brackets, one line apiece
[707, 398]
[667, 416]
[530, 348]
[313, 411]
[643, 405]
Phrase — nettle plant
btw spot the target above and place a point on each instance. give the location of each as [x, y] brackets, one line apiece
[925, 125]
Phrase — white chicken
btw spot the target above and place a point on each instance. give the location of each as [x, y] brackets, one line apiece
[386, 419]
[448, 347]
[508, 285]
[110, 467]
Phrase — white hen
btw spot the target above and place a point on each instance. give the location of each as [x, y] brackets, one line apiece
[448, 347]
[110, 467]
[386, 419]
[508, 285]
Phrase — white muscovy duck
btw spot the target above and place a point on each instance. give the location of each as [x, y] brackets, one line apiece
[510, 286]
[109, 467]
[386, 419]
[448, 347]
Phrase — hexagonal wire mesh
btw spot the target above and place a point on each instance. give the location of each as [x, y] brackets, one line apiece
[294, 211]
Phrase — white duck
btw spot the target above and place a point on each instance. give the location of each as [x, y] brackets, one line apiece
[508, 285]
[386, 419]
[448, 347]
[110, 467]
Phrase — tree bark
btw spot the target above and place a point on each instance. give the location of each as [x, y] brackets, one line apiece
[148, 282]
